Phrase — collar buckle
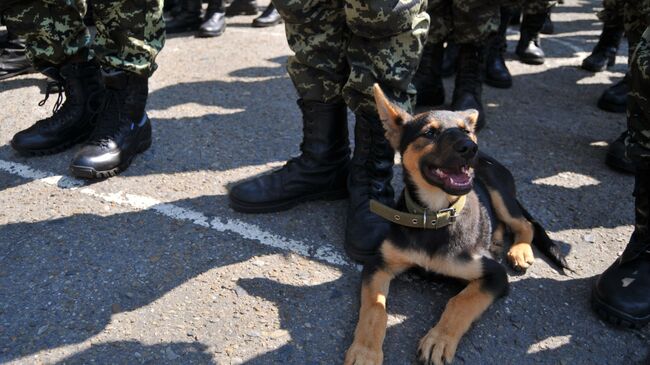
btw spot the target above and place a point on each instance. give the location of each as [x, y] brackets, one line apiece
[452, 213]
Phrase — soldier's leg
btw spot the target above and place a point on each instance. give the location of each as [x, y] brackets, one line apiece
[474, 23]
[130, 33]
[529, 48]
[604, 53]
[316, 32]
[428, 78]
[622, 293]
[57, 42]
[385, 46]
[496, 70]
[615, 98]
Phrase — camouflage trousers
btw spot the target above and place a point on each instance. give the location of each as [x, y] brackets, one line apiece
[462, 21]
[130, 33]
[638, 104]
[633, 15]
[343, 47]
[473, 21]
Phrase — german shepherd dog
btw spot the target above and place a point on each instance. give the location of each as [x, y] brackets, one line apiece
[454, 210]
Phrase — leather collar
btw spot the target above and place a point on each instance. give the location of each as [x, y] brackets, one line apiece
[418, 216]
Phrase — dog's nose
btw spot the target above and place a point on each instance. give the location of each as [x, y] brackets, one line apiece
[466, 148]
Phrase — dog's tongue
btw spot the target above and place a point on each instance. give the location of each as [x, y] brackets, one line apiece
[455, 178]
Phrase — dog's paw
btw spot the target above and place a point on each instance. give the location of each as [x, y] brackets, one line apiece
[437, 347]
[359, 354]
[521, 256]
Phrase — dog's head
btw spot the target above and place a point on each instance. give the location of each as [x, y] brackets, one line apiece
[438, 148]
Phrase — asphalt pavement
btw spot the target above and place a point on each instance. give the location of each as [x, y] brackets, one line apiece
[153, 267]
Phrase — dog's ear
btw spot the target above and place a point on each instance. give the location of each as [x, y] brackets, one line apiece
[392, 117]
[470, 117]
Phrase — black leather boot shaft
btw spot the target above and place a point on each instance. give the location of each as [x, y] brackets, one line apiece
[269, 17]
[622, 293]
[72, 120]
[188, 18]
[449, 58]
[529, 49]
[604, 53]
[428, 78]
[320, 172]
[469, 81]
[370, 177]
[13, 59]
[614, 98]
[242, 7]
[496, 71]
[123, 129]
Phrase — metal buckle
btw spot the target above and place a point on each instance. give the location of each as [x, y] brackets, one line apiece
[452, 217]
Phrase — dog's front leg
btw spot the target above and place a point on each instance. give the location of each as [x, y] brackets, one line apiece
[371, 328]
[438, 346]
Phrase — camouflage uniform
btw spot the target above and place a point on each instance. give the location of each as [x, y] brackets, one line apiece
[462, 21]
[342, 47]
[130, 33]
[638, 105]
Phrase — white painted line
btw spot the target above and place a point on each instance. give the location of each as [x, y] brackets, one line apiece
[325, 252]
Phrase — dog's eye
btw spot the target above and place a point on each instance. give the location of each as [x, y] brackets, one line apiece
[431, 133]
[466, 131]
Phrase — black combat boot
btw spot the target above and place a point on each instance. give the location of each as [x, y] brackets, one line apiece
[496, 71]
[529, 48]
[614, 99]
[320, 172]
[427, 79]
[214, 21]
[13, 59]
[185, 20]
[123, 129]
[73, 119]
[269, 17]
[469, 81]
[616, 158]
[242, 7]
[449, 59]
[371, 172]
[604, 54]
[622, 293]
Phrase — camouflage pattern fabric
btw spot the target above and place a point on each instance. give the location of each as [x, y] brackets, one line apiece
[462, 21]
[638, 105]
[130, 33]
[635, 20]
[343, 47]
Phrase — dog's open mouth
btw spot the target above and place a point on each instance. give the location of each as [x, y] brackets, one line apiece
[456, 180]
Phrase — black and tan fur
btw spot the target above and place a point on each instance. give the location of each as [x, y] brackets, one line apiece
[462, 249]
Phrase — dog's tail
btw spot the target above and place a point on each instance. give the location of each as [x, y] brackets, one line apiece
[544, 243]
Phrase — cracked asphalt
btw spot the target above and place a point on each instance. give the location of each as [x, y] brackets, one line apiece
[153, 267]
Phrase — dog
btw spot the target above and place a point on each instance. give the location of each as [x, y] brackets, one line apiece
[454, 210]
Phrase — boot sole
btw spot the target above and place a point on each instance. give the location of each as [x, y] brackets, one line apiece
[616, 317]
[612, 108]
[264, 25]
[49, 151]
[205, 34]
[273, 207]
[90, 173]
[619, 164]
[358, 255]
[531, 60]
[499, 84]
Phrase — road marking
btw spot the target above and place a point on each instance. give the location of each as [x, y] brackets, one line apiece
[325, 252]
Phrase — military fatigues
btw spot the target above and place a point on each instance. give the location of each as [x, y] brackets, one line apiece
[130, 33]
[462, 21]
[638, 105]
[342, 47]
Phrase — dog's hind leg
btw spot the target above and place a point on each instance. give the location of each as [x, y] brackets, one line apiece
[371, 328]
[438, 346]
